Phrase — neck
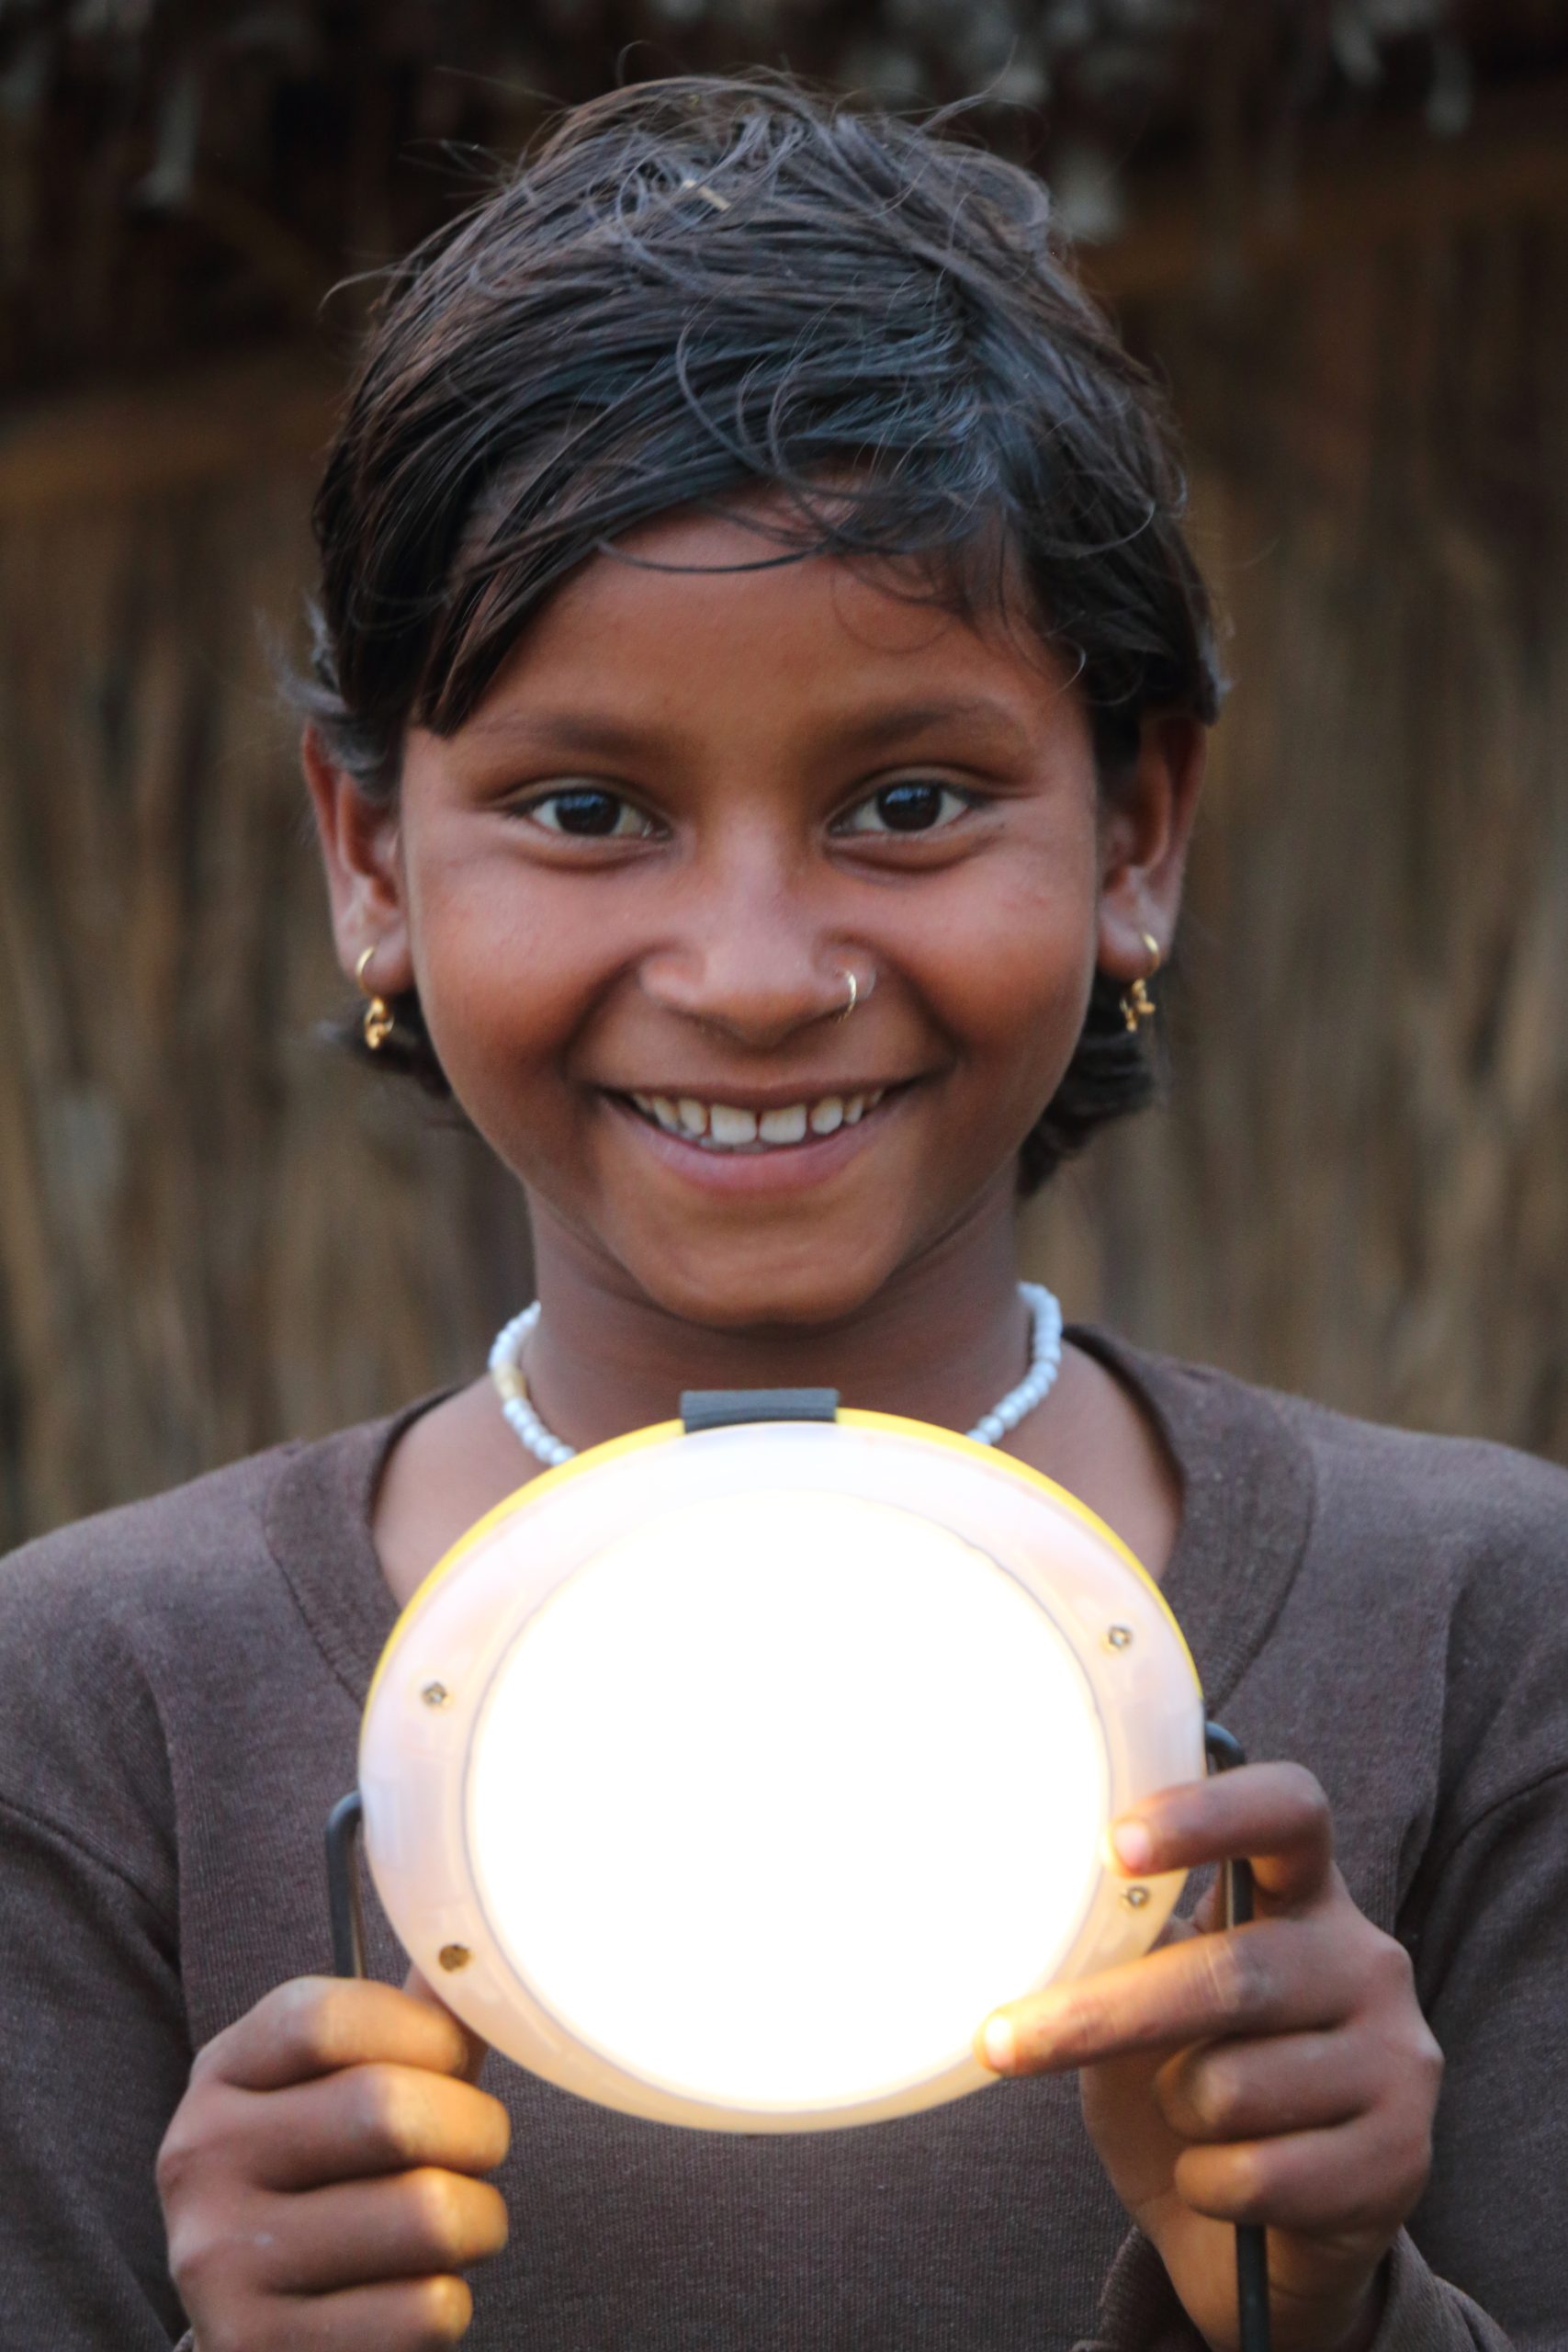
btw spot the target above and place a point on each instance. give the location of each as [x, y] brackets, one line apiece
[940, 1342]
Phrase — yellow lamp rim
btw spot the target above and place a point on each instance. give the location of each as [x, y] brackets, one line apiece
[550, 1481]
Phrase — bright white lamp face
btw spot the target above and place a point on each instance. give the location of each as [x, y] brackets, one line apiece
[731, 1779]
[778, 1795]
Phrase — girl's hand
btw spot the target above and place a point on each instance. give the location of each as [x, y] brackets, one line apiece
[320, 2178]
[1280, 2073]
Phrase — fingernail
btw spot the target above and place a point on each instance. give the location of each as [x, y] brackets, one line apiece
[998, 2044]
[1135, 1847]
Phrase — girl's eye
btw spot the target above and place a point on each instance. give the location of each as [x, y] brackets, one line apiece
[589, 813]
[912, 807]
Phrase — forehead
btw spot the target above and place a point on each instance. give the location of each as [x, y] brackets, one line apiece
[708, 613]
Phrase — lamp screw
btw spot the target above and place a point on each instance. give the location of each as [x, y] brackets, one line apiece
[1119, 1637]
[1135, 1898]
[435, 1694]
[453, 1956]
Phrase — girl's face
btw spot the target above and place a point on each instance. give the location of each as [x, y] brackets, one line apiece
[631, 888]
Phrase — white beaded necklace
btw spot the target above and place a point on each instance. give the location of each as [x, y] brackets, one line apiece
[1044, 1363]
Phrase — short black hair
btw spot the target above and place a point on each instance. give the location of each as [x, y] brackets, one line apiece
[695, 290]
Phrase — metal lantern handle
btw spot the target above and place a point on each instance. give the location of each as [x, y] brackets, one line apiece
[345, 1903]
[1254, 2327]
[347, 1906]
[345, 1899]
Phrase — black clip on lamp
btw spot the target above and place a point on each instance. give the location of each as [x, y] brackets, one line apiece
[708, 1725]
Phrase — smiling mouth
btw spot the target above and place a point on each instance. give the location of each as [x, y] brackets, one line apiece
[729, 1128]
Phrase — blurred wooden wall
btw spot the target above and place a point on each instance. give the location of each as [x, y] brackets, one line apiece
[1359, 1187]
[213, 1231]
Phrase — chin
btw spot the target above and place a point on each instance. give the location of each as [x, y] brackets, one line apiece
[730, 1289]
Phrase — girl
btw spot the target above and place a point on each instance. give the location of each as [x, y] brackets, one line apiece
[759, 708]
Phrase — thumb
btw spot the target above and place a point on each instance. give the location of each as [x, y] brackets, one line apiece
[476, 2050]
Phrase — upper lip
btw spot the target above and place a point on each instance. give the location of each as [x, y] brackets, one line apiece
[751, 1097]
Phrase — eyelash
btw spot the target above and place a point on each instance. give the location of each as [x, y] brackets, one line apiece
[842, 827]
[585, 792]
[953, 792]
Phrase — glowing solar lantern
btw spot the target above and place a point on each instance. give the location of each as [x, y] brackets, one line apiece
[731, 1778]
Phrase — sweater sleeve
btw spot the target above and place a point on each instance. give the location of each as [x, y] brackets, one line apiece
[1139, 2311]
[95, 2059]
[1491, 1970]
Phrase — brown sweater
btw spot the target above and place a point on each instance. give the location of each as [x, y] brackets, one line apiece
[180, 1691]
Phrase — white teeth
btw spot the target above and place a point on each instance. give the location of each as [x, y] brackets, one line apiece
[727, 1124]
[724, 1126]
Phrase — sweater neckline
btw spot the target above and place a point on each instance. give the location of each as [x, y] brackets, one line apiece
[1246, 1494]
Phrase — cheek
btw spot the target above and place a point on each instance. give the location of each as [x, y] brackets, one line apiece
[1013, 960]
[505, 973]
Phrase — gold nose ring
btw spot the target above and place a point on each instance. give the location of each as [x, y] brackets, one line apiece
[855, 993]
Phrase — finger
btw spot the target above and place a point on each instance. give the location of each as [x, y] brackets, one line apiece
[1275, 1816]
[1245, 2090]
[317, 2024]
[1280, 1976]
[357, 2125]
[1356, 2177]
[419, 1988]
[401, 2315]
[358, 2232]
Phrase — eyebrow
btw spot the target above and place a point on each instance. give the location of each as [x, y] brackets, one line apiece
[560, 732]
[604, 738]
[903, 722]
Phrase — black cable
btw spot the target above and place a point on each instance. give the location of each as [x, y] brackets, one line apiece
[1254, 2325]
[342, 1886]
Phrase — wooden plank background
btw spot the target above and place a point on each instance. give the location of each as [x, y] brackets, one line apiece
[213, 1231]
[1359, 1187]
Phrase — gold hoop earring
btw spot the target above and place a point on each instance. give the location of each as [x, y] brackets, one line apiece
[1136, 1002]
[377, 1023]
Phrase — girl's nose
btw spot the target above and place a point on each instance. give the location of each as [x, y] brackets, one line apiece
[758, 974]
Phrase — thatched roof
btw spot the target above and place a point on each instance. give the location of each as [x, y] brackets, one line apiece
[177, 174]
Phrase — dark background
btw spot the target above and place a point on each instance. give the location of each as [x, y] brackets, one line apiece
[1340, 232]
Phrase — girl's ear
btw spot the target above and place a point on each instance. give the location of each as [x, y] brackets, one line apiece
[361, 849]
[1144, 838]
